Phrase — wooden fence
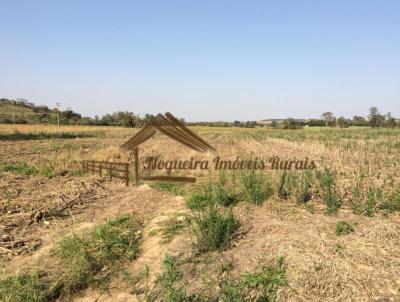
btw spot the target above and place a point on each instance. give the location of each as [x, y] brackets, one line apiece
[113, 170]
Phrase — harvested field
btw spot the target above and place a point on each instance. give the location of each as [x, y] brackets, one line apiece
[233, 236]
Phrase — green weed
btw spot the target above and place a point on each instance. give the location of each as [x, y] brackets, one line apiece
[392, 204]
[343, 228]
[223, 196]
[330, 194]
[256, 187]
[373, 196]
[214, 229]
[19, 168]
[230, 291]
[117, 239]
[20, 136]
[78, 265]
[286, 184]
[83, 259]
[261, 285]
[266, 281]
[172, 230]
[339, 248]
[356, 202]
[305, 184]
[25, 287]
[198, 201]
[23, 168]
[173, 188]
[169, 281]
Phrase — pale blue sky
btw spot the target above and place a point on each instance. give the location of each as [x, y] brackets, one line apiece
[203, 60]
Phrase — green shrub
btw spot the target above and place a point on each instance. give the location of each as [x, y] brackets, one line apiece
[48, 171]
[287, 182]
[230, 291]
[373, 195]
[218, 193]
[19, 168]
[24, 287]
[115, 240]
[78, 265]
[24, 168]
[356, 202]
[305, 184]
[256, 188]
[222, 195]
[198, 201]
[392, 204]
[170, 286]
[297, 186]
[266, 281]
[214, 228]
[343, 228]
[333, 203]
[369, 207]
[330, 194]
[366, 196]
[83, 259]
[171, 276]
[261, 285]
[214, 225]
[326, 179]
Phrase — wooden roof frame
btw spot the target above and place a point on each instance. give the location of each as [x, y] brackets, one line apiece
[171, 127]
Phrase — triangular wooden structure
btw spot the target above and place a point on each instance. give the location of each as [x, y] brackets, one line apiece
[171, 127]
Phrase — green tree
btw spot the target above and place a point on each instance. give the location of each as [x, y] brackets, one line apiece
[390, 120]
[342, 122]
[375, 118]
[359, 121]
[327, 117]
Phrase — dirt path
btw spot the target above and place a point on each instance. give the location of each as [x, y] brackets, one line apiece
[154, 248]
[156, 208]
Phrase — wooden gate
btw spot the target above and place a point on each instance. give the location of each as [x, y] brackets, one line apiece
[111, 169]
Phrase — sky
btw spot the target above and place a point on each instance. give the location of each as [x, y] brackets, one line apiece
[206, 60]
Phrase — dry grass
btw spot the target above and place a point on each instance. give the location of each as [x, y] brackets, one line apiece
[320, 266]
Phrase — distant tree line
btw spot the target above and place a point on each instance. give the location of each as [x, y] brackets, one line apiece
[239, 124]
[21, 111]
[375, 120]
[39, 114]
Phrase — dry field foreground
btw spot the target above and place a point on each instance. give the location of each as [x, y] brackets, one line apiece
[44, 196]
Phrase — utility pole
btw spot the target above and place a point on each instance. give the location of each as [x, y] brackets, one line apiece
[58, 113]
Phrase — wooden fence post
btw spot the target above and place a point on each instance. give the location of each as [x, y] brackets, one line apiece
[127, 174]
[136, 165]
